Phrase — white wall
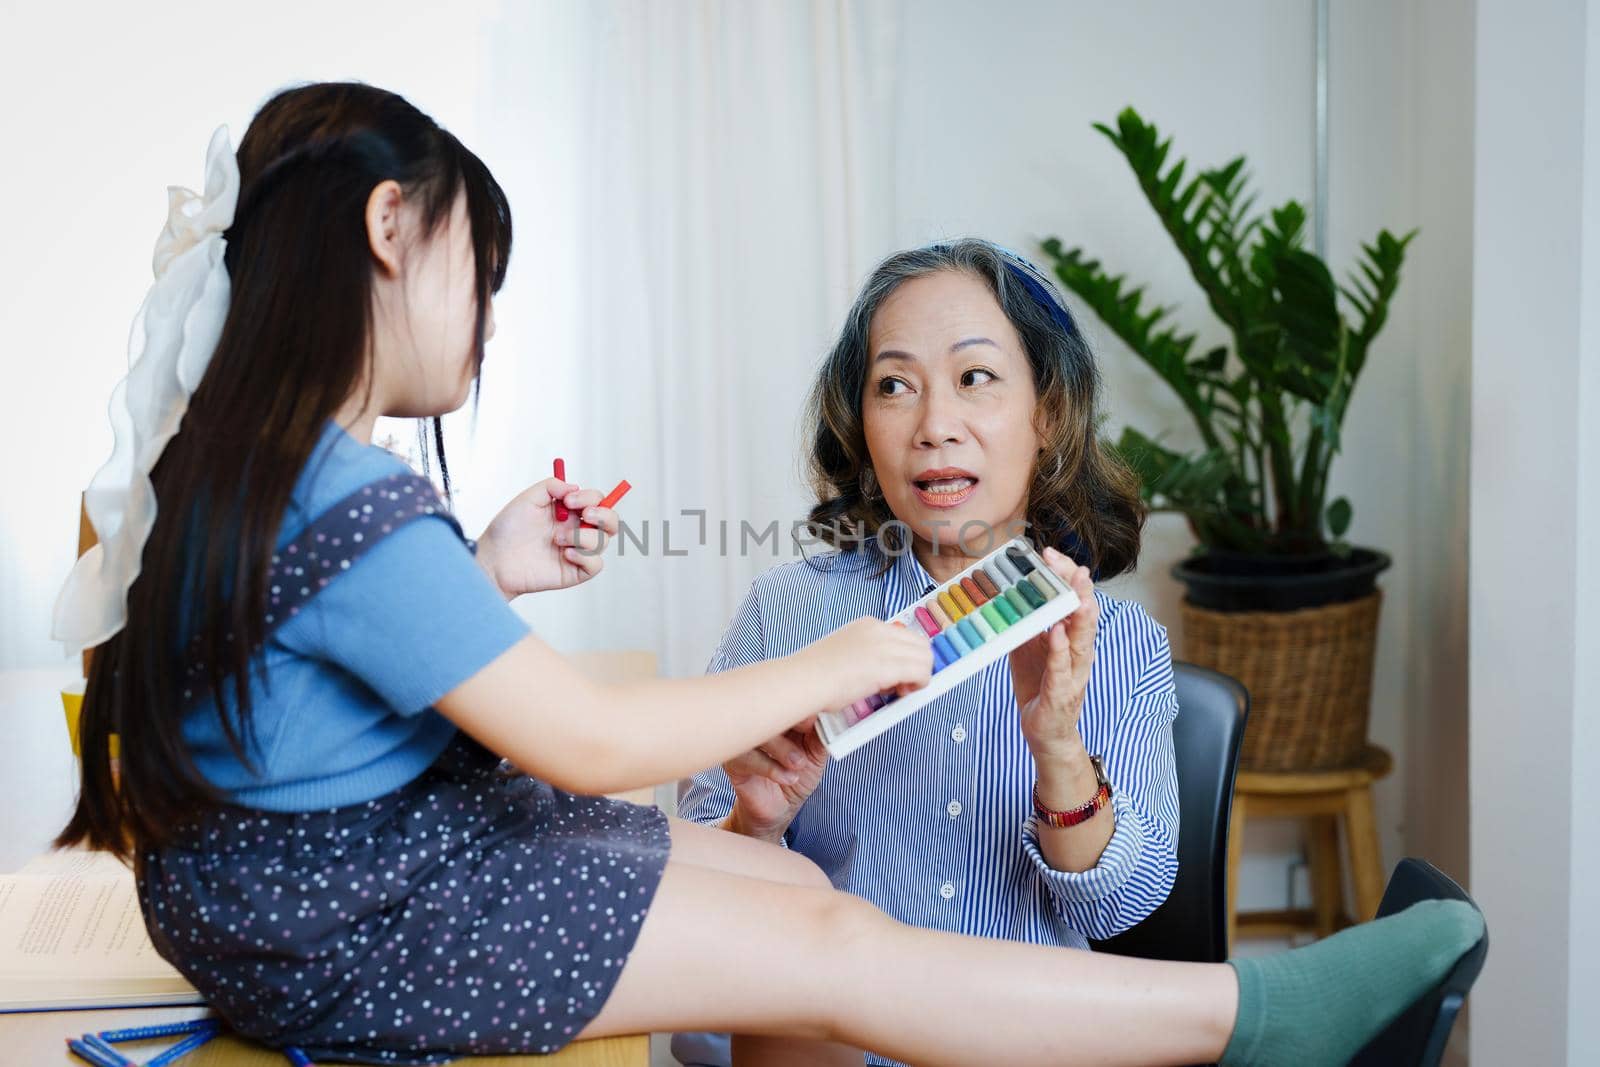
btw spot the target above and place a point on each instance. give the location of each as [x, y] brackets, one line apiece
[1400, 113]
[1401, 151]
[1438, 300]
[1583, 930]
[1535, 526]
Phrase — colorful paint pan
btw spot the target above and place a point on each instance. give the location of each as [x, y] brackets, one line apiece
[1043, 585]
[984, 627]
[1008, 569]
[1019, 601]
[971, 620]
[953, 633]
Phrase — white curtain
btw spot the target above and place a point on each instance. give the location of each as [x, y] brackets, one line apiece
[697, 188]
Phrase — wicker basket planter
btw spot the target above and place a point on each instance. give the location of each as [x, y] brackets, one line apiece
[1309, 673]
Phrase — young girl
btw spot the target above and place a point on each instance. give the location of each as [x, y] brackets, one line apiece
[314, 682]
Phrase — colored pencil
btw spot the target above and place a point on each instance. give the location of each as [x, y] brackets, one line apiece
[145, 1033]
[182, 1048]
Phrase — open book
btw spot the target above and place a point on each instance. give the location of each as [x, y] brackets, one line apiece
[72, 936]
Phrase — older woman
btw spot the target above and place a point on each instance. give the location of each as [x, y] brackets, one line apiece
[958, 406]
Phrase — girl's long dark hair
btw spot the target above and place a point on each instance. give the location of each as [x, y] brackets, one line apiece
[1083, 499]
[294, 349]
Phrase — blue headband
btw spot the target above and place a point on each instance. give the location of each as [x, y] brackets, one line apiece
[1039, 286]
[1034, 281]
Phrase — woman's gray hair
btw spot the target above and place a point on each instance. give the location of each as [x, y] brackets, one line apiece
[1083, 500]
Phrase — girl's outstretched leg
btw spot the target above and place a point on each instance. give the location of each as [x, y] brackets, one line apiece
[718, 850]
[720, 951]
[732, 853]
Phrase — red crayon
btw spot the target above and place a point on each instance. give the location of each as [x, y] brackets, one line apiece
[611, 498]
[562, 513]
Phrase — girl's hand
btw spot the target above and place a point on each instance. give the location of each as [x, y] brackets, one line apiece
[525, 550]
[773, 780]
[1050, 674]
[868, 656]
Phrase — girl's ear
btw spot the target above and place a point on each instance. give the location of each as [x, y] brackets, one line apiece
[383, 225]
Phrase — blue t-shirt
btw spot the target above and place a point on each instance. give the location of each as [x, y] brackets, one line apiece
[342, 710]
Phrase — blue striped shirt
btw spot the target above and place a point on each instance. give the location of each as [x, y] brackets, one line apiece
[932, 822]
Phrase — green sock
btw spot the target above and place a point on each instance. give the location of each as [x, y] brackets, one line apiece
[1320, 1004]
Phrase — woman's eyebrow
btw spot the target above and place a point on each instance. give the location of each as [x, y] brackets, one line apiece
[907, 357]
[894, 354]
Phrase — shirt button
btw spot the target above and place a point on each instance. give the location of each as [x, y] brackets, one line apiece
[947, 891]
[954, 808]
[959, 734]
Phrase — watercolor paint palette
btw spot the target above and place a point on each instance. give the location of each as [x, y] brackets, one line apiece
[985, 612]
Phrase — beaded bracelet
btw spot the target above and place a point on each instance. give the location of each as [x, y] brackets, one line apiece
[1082, 813]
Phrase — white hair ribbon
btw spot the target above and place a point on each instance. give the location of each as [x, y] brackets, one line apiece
[172, 340]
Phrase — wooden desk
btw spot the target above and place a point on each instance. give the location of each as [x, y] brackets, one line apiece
[39, 1038]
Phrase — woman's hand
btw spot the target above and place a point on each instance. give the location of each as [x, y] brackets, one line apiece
[1050, 674]
[773, 780]
[525, 550]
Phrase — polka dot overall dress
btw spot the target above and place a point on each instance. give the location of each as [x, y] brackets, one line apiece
[473, 910]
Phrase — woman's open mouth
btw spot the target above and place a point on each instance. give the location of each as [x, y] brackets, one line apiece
[947, 487]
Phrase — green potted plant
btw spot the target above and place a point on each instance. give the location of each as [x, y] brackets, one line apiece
[1272, 586]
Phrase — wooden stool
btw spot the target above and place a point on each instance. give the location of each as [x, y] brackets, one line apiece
[1322, 797]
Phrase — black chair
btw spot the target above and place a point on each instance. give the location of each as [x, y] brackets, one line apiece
[1192, 924]
[1418, 1036]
